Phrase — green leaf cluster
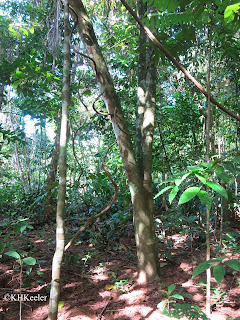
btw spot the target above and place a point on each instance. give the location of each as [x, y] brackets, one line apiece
[199, 177]
[218, 269]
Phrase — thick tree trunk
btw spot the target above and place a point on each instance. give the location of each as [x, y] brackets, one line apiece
[143, 222]
[58, 256]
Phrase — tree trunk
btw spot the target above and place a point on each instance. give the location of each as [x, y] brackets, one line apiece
[143, 222]
[50, 204]
[208, 133]
[141, 93]
[58, 256]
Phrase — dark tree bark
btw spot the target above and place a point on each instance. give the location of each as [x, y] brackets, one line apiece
[141, 93]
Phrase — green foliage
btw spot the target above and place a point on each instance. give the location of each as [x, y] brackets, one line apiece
[234, 264]
[218, 270]
[171, 297]
[231, 242]
[199, 175]
[188, 195]
[30, 261]
[191, 311]
[218, 273]
[230, 11]
[12, 136]
[119, 284]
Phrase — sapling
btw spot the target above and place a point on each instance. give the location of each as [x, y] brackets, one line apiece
[30, 261]
[171, 297]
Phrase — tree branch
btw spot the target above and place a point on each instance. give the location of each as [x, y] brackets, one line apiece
[176, 63]
[94, 217]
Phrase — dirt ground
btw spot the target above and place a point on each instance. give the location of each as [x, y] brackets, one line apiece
[99, 281]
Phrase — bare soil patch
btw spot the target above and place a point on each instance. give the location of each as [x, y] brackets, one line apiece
[99, 281]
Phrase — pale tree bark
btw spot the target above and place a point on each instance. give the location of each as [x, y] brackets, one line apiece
[143, 223]
[58, 256]
[147, 130]
[208, 133]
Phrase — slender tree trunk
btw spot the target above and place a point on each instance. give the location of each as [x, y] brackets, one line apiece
[1, 95]
[143, 222]
[17, 158]
[208, 133]
[58, 256]
[40, 158]
[148, 131]
[141, 93]
[23, 178]
[50, 204]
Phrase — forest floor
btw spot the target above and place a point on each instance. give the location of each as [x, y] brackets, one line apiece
[102, 285]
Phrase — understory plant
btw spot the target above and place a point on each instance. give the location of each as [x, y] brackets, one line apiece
[29, 261]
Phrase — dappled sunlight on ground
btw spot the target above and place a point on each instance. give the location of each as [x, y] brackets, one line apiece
[39, 241]
[134, 296]
[106, 283]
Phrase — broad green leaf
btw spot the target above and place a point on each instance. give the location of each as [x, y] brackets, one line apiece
[178, 181]
[222, 175]
[171, 288]
[20, 74]
[194, 169]
[230, 10]
[162, 191]
[184, 177]
[237, 159]
[188, 194]
[30, 261]
[31, 30]
[61, 304]
[162, 304]
[23, 228]
[203, 266]
[13, 254]
[218, 188]
[7, 235]
[16, 83]
[230, 167]
[207, 164]
[218, 273]
[219, 259]
[234, 264]
[164, 293]
[25, 32]
[173, 193]
[201, 178]
[205, 199]
[166, 181]
[2, 246]
[177, 296]
[87, 92]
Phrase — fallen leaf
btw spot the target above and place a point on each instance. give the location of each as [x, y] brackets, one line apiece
[109, 286]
